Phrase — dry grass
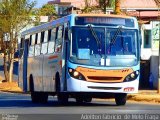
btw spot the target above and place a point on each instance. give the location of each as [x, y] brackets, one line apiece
[10, 87]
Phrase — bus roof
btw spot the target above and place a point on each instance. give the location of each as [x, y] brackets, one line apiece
[104, 15]
[59, 21]
[46, 25]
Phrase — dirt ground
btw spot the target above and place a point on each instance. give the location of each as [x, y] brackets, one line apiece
[10, 87]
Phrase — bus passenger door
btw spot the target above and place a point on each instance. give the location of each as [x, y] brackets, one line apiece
[65, 57]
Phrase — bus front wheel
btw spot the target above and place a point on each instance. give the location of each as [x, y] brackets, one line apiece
[120, 98]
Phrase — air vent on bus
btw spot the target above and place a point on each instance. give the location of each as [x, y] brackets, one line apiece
[104, 88]
[104, 79]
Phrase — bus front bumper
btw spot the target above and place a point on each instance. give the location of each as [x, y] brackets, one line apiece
[74, 85]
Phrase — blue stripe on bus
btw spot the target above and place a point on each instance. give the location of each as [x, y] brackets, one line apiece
[53, 61]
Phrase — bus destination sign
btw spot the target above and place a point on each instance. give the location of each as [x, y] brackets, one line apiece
[109, 21]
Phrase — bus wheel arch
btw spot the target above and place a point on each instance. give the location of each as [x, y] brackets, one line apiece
[57, 82]
[31, 83]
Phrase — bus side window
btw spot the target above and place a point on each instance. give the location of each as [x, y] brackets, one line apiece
[44, 48]
[44, 40]
[42, 37]
[51, 39]
[36, 39]
[21, 47]
[31, 46]
[49, 34]
[22, 44]
[58, 47]
[53, 34]
[30, 40]
[33, 39]
[39, 38]
[46, 36]
[37, 44]
[66, 25]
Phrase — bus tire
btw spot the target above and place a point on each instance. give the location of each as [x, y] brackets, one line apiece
[120, 99]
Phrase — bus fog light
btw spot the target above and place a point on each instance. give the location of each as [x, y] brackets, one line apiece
[75, 73]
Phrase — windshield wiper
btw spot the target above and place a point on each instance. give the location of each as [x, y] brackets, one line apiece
[113, 40]
[95, 36]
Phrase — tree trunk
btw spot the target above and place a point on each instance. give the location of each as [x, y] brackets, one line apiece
[104, 9]
[11, 71]
[117, 7]
[6, 68]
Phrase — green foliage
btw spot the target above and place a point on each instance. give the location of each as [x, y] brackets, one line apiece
[48, 10]
[103, 4]
[14, 16]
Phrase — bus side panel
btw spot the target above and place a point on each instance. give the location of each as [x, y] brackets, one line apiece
[49, 71]
[35, 68]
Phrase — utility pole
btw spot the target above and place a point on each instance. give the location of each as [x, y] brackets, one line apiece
[158, 4]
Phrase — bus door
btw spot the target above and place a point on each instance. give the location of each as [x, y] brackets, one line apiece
[65, 55]
[25, 59]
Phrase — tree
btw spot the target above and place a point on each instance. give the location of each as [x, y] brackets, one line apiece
[117, 7]
[14, 16]
[88, 7]
[48, 10]
[103, 4]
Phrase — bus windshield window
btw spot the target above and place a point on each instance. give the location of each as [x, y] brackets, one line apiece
[105, 49]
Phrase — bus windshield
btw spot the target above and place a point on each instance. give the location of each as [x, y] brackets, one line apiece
[100, 46]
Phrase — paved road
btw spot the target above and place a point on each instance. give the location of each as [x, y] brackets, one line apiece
[21, 104]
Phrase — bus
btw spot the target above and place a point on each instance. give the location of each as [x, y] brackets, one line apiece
[81, 56]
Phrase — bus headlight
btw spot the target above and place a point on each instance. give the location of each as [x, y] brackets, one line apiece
[131, 76]
[75, 74]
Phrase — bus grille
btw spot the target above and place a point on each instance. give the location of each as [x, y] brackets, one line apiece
[105, 88]
[104, 79]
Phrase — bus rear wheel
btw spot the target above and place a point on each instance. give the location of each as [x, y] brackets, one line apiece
[120, 98]
[39, 97]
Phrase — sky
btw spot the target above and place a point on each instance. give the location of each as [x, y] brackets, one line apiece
[41, 2]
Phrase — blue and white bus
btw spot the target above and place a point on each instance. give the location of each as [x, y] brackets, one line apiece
[81, 56]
